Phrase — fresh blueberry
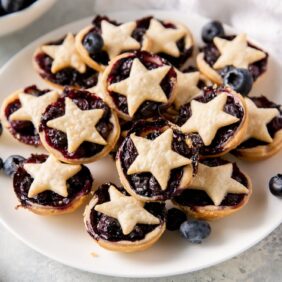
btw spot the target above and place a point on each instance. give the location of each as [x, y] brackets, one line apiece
[93, 43]
[275, 185]
[11, 164]
[11, 6]
[1, 163]
[195, 230]
[174, 219]
[239, 80]
[211, 30]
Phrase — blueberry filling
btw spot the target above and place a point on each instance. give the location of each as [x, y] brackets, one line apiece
[68, 76]
[211, 54]
[145, 184]
[274, 126]
[108, 228]
[121, 70]
[97, 54]
[233, 107]
[58, 139]
[141, 28]
[24, 131]
[197, 198]
[78, 185]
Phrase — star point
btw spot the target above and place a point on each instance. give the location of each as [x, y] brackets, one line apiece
[187, 87]
[258, 120]
[236, 52]
[127, 210]
[217, 182]
[51, 175]
[141, 85]
[117, 38]
[160, 39]
[207, 118]
[32, 107]
[157, 157]
[65, 55]
[79, 125]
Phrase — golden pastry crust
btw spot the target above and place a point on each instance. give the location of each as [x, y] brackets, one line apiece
[261, 152]
[112, 104]
[124, 246]
[84, 53]
[189, 40]
[10, 99]
[212, 212]
[50, 211]
[111, 142]
[207, 70]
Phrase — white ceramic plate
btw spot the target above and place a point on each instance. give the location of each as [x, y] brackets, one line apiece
[64, 239]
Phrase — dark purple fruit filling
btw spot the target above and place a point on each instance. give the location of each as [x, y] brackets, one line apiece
[98, 55]
[108, 228]
[68, 76]
[274, 126]
[198, 198]
[233, 107]
[121, 70]
[58, 139]
[141, 28]
[211, 54]
[78, 185]
[145, 184]
[24, 131]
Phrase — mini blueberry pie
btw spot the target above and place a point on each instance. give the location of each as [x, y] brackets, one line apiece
[155, 160]
[47, 186]
[227, 52]
[219, 117]
[79, 127]
[119, 222]
[219, 189]
[60, 65]
[139, 84]
[263, 137]
[105, 39]
[21, 112]
[169, 39]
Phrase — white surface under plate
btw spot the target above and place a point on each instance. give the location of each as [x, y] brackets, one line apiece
[64, 239]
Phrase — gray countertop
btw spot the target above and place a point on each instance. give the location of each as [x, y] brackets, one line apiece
[20, 263]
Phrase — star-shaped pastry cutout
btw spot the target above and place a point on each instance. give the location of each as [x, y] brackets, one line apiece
[141, 85]
[207, 118]
[51, 175]
[186, 87]
[157, 157]
[161, 39]
[217, 182]
[79, 125]
[117, 38]
[236, 52]
[65, 55]
[258, 120]
[127, 210]
[32, 107]
[99, 88]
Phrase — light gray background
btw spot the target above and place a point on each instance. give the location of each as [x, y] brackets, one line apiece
[20, 263]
